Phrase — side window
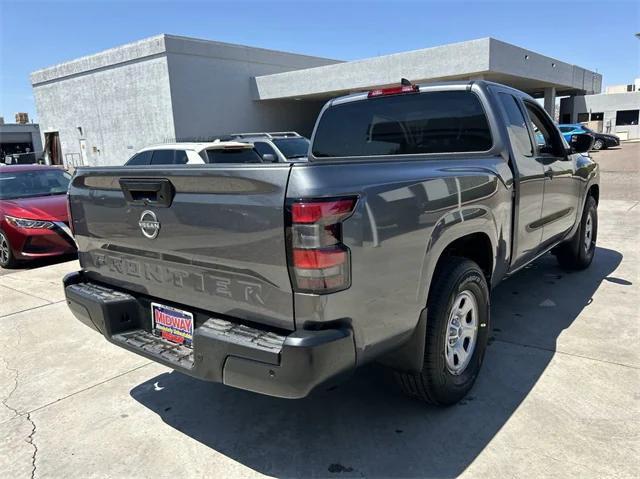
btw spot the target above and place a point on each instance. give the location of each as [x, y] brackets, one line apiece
[264, 148]
[143, 158]
[516, 125]
[181, 157]
[162, 157]
[547, 139]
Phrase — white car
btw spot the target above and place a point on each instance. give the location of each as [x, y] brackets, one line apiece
[198, 154]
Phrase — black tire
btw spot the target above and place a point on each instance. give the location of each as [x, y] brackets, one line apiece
[599, 144]
[436, 383]
[575, 254]
[7, 260]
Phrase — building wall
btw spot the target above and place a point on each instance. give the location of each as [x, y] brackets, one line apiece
[160, 89]
[608, 104]
[213, 92]
[119, 109]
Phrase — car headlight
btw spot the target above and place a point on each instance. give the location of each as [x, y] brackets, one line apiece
[29, 224]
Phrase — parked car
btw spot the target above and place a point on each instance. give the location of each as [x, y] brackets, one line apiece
[197, 154]
[33, 213]
[286, 146]
[600, 140]
[278, 278]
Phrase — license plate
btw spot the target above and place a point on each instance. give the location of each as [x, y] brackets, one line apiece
[172, 324]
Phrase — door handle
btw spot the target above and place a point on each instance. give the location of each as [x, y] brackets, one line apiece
[548, 173]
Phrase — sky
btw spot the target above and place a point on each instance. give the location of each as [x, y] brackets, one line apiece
[597, 35]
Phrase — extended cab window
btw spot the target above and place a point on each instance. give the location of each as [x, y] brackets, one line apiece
[516, 125]
[434, 122]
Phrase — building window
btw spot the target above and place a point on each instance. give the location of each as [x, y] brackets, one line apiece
[597, 116]
[627, 117]
[630, 87]
[583, 117]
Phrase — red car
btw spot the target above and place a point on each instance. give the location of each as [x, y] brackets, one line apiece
[34, 222]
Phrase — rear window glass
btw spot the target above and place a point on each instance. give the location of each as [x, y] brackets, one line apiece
[435, 122]
[240, 155]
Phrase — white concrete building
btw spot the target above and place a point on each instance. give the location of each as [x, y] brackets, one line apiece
[101, 108]
[616, 113]
[635, 86]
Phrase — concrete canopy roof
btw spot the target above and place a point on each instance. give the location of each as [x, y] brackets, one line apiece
[486, 58]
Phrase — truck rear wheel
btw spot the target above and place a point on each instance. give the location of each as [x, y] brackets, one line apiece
[578, 253]
[457, 333]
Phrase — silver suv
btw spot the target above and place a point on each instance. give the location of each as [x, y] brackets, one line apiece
[286, 146]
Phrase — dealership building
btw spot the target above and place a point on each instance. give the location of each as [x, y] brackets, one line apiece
[99, 109]
[617, 111]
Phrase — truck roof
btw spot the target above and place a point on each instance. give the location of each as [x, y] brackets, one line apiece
[432, 86]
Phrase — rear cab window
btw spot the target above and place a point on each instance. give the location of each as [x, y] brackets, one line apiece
[407, 124]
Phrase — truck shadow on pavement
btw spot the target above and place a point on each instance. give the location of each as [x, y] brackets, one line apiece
[366, 427]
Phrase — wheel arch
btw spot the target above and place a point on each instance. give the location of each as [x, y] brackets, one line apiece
[594, 190]
[477, 246]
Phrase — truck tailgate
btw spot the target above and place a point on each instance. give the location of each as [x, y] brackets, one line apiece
[219, 243]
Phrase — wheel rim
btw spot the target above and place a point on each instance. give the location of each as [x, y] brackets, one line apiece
[588, 233]
[598, 144]
[4, 249]
[462, 332]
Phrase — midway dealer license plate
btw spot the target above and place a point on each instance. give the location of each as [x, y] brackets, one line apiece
[172, 324]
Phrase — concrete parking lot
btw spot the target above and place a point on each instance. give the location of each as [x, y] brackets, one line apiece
[559, 394]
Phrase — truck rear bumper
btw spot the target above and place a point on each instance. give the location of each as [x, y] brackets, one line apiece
[235, 354]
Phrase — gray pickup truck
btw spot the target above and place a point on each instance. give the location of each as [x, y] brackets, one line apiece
[384, 246]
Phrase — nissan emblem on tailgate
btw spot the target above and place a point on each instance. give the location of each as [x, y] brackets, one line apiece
[149, 224]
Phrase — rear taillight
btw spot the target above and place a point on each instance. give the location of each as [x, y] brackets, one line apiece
[318, 260]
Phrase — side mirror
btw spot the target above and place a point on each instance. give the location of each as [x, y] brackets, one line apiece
[269, 158]
[581, 142]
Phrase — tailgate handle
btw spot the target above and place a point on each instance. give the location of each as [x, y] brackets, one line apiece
[144, 191]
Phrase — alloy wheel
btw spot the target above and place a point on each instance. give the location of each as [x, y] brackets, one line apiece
[4, 250]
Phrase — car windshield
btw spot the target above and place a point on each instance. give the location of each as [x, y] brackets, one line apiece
[293, 148]
[588, 130]
[27, 184]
